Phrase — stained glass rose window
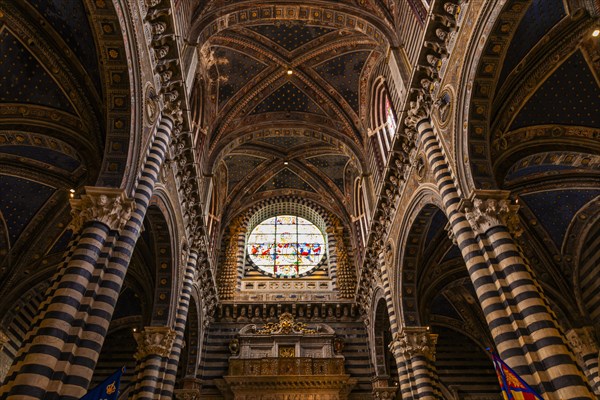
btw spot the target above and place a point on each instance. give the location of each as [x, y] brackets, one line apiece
[286, 246]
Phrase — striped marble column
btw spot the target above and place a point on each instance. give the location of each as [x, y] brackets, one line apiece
[98, 215]
[59, 353]
[417, 346]
[154, 347]
[98, 313]
[404, 375]
[181, 314]
[519, 319]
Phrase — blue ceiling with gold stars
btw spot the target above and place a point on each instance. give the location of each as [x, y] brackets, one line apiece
[290, 37]
[288, 98]
[568, 97]
[60, 246]
[69, 19]
[24, 80]
[286, 179]
[539, 18]
[332, 166]
[235, 72]
[556, 208]
[343, 73]
[20, 201]
[239, 166]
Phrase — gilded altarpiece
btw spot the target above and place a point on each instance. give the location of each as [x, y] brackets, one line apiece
[286, 360]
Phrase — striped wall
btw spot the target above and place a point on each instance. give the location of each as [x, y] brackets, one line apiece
[216, 353]
[463, 367]
[117, 352]
[17, 324]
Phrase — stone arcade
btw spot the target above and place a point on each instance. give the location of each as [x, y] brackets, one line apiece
[285, 200]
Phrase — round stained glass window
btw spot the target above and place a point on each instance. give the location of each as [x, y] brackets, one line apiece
[286, 246]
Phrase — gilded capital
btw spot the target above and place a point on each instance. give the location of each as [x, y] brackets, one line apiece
[414, 341]
[109, 206]
[154, 340]
[487, 211]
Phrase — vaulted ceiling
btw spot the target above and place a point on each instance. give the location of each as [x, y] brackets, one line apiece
[289, 102]
[64, 123]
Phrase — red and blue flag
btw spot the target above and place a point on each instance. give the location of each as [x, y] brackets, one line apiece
[512, 385]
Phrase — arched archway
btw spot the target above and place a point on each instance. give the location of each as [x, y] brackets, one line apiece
[384, 362]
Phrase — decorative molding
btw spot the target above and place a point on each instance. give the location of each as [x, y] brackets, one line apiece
[228, 271]
[109, 206]
[346, 278]
[285, 326]
[154, 341]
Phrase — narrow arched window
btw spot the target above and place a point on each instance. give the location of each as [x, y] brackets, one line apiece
[360, 210]
[382, 128]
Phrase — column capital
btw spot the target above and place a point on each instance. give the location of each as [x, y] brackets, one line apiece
[187, 394]
[582, 341]
[109, 206]
[154, 340]
[418, 340]
[419, 110]
[385, 393]
[488, 208]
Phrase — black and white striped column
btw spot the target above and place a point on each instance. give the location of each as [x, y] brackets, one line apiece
[59, 354]
[415, 346]
[154, 347]
[521, 324]
[584, 346]
[181, 315]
